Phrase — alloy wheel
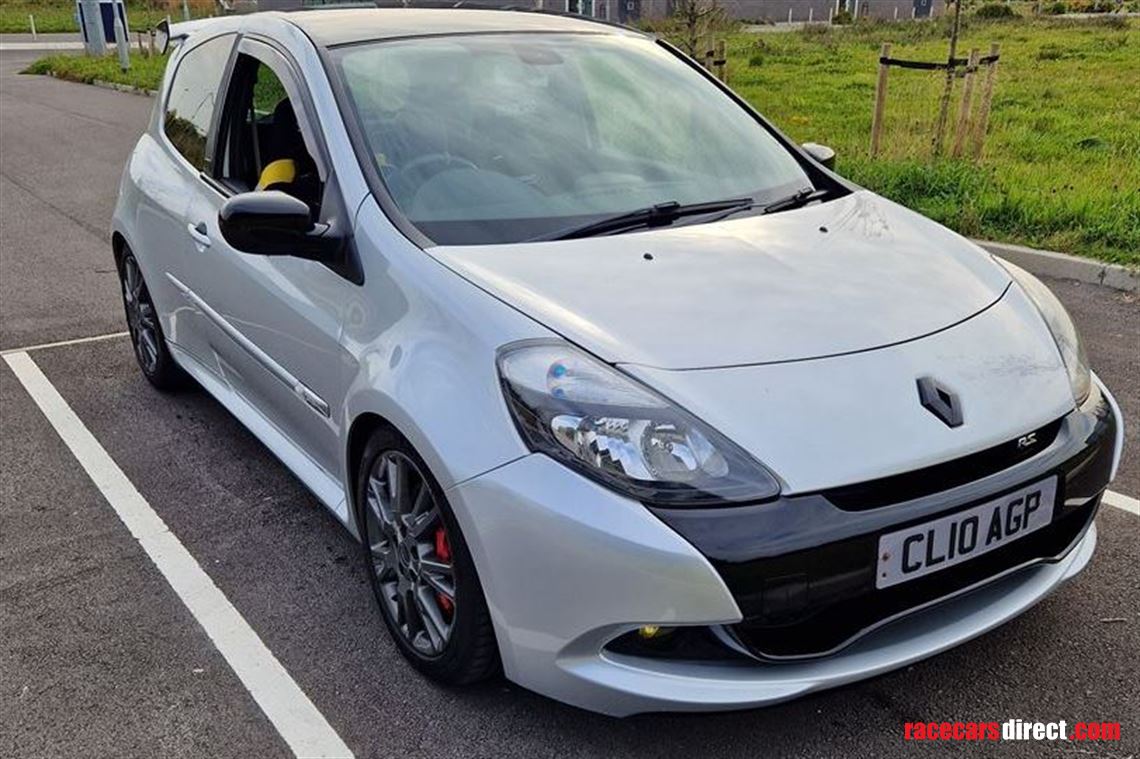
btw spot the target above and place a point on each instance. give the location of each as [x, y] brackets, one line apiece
[141, 318]
[410, 553]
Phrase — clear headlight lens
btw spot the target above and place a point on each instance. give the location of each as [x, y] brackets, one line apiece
[1061, 325]
[607, 426]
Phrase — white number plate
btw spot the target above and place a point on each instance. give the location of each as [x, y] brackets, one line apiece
[927, 548]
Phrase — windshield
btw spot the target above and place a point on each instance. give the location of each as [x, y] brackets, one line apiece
[501, 138]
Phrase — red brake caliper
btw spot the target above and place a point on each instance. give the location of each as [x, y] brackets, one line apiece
[443, 551]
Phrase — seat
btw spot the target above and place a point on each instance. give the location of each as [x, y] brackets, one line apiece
[288, 165]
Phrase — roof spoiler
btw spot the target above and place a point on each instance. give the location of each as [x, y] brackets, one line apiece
[166, 33]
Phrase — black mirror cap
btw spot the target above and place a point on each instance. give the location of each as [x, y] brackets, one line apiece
[272, 223]
[821, 153]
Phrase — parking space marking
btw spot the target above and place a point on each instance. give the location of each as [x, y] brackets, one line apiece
[59, 343]
[1121, 501]
[296, 719]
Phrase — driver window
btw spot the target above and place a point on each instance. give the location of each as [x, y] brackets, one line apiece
[264, 148]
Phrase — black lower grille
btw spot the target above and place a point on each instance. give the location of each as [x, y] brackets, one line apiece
[804, 613]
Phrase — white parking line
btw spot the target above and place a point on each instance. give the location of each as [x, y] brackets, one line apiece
[59, 343]
[303, 728]
[1121, 501]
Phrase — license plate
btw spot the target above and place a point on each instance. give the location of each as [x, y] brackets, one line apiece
[942, 543]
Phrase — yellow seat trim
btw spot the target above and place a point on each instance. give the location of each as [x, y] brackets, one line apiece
[281, 171]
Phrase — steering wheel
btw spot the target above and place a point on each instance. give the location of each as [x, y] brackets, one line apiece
[418, 170]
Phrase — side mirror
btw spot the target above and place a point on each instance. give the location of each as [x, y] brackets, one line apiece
[821, 153]
[162, 36]
[271, 223]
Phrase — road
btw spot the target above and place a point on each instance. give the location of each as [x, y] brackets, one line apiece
[100, 658]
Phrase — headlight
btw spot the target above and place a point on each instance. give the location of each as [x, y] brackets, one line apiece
[1061, 325]
[614, 430]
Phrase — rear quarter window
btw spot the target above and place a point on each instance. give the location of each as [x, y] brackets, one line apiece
[193, 98]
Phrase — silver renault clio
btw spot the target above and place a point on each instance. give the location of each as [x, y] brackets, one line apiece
[623, 392]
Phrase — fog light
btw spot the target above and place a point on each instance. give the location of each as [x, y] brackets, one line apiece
[684, 643]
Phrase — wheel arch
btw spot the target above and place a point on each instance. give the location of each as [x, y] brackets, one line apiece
[446, 404]
[359, 433]
[375, 414]
[118, 247]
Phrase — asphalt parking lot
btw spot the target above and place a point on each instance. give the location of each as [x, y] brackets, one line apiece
[99, 656]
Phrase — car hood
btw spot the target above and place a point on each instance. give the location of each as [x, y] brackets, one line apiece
[850, 275]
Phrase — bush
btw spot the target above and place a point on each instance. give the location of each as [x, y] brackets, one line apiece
[1056, 9]
[995, 10]
[843, 17]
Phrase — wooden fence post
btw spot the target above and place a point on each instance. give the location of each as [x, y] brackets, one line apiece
[984, 108]
[944, 103]
[880, 98]
[963, 127]
[721, 61]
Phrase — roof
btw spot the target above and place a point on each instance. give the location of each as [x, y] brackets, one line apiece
[337, 26]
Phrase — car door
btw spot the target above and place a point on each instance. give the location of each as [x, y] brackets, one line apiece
[167, 170]
[276, 320]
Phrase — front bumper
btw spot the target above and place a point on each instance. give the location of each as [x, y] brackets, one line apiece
[568, 567]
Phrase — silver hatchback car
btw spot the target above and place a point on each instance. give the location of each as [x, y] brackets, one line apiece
[622, 391]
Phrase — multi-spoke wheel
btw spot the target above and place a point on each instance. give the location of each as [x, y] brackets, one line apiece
[411, 553]
[421, 571]
[146, 334]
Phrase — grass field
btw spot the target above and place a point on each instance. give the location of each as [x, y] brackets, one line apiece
[59, 15]
[1062, 162]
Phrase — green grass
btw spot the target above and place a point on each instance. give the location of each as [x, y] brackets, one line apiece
[145, 72]
[59, 15]
[1061, 168]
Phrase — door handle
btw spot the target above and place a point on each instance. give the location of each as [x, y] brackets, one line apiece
[199, 233]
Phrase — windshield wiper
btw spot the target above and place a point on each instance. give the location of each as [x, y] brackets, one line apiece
[797, 199]
[658, 215]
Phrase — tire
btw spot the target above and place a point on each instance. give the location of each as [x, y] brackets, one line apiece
[149, 344]
[404, 554]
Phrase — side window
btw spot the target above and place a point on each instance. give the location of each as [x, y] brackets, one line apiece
[193, 95]
[263, 147]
